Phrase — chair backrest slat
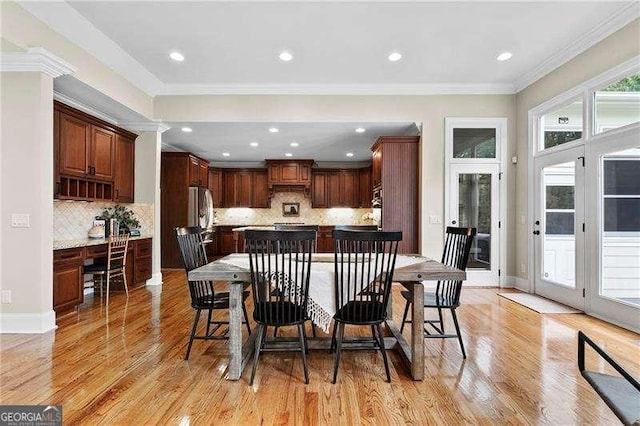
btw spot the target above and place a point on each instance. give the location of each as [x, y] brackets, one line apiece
[457, 247]
[364, 265]
[117, 251]
[194, 256]
[280, 264]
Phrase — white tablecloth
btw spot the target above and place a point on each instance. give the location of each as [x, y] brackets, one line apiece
[322, 304]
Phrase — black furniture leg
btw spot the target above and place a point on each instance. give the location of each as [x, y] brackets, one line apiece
[384, 352]
[455, 322]
[338, 349]
[303, 350]
[404, 316]
[193, 333]
[256, 353]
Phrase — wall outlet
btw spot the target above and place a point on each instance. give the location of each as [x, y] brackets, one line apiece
[523, 268]
[20, 220]
[6, 296]
[435, 219]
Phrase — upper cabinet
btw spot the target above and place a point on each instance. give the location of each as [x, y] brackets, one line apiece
[198, 172]
[93, 159]
[365, 187]
[215, 186]
[289, 173]
[239, 188]
[336, 188]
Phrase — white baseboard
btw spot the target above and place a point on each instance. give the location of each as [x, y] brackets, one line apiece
[28, 323]
[517, 282]
[156, 279]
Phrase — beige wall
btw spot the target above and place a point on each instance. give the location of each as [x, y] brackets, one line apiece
[21, 29]
[614, 50]
[429, 110]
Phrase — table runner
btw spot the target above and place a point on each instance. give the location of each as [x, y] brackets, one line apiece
[321, 306]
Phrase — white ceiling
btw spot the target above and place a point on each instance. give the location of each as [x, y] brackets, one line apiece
[339, 47]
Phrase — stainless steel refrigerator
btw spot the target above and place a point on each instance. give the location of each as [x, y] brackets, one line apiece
[201, 212]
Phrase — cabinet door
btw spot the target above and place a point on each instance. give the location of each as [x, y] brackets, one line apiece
[260, 197]
[365, 188]
[305, 174]
[226, 242]
[319, 190]
[56, 153]
[229, 193]
[75, 137]
[377, 167]
[124, 170]
[203, 174]
[215, 186]
[103, 143]
[244, 188]
[334, 189]
[289, 173]
[194, 171]
[349, 184]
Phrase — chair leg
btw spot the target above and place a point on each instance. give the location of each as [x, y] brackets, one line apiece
[303, 350]
[108, 280]
[338, 349]
[193, 333]
[441, 321]
[333, 337]
[275, 331]
[404, 316]
[246, 317]
[209, 322]
[384, 352]
[455, 322]
[256, 353]
[124, 280]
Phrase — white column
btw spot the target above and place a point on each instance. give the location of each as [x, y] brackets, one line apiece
[26, 190]
[147, 182]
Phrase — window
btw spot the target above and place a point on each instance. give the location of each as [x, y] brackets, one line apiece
[559, 210]
[621, 191]
[561, 125]
[617, 104]
[474, 143]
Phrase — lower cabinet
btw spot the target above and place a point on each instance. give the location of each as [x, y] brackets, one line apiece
[227, 240]
[325, 240]
[68, 280]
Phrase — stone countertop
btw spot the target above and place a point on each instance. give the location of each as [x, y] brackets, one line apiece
[85, 242]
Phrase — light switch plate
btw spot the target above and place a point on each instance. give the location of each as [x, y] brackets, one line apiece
[20, 220]
[435, 219]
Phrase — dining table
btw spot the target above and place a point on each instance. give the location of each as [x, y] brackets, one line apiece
[411, 272]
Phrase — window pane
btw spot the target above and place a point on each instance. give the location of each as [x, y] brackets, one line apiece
[559, 223]
[474, 209]
[622, 214]
[562, 125]
[617, 104]
[560, 197]
[474, 143]
[622, 177]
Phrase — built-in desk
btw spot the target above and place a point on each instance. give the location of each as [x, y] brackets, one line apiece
[69, 256]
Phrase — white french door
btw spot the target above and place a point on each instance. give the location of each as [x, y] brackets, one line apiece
[473, 201]
[559, 225]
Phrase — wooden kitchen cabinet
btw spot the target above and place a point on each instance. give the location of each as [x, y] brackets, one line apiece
[365, 187]
[142, 260]
[335, 188]
[226, 243]
[260, 195]
[102, 153]
[75, 136]
[319, 190]
[124, 170]
[325, 240]
[203, 174]
[216, 187]
[237, 188]
[198, 171]
[68, 285]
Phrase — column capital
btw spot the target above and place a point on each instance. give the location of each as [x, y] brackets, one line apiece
[35, 59]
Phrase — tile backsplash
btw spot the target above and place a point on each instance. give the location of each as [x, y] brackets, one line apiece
[335, 216]
[73, 219]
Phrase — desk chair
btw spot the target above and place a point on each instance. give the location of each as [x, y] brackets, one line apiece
[116, 263]
[447, 295]
[280, 265]
[363, 259]
[203, 295]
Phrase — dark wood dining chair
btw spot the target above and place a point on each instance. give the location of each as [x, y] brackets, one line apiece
[457, 246]
[280, 265]
[203, 294]
[363, 260]
[116, 265]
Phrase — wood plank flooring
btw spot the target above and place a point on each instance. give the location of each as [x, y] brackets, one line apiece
[126, 366]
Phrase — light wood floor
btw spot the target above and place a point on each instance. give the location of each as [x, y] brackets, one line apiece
[127, 368]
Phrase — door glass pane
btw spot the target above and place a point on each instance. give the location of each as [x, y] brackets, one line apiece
[617, 104]
[559, 248]
[474, 143]
[620, 230]
[474, 210]
[561, 125]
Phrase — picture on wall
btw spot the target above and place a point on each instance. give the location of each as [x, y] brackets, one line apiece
[290, 209]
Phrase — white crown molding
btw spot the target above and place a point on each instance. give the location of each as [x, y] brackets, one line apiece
[35, 59]
[33, 323]
[342, 89]
[620, 19]
[166, 147]
[83, 107]
[68, 22]
[151, 126]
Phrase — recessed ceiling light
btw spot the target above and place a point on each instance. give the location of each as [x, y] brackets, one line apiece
[225, 154]
[349, 154]
[187, 129]
[288, 154]
[395, 56]
[294, 144]
[285, 56]
[504, 56]
[254, 144]
[176, 56]
[360, 130]
[274, 130]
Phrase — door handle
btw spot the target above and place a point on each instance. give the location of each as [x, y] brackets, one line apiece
[536, 232]
[453, 222]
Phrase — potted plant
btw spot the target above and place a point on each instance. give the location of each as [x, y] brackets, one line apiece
[124, 216]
